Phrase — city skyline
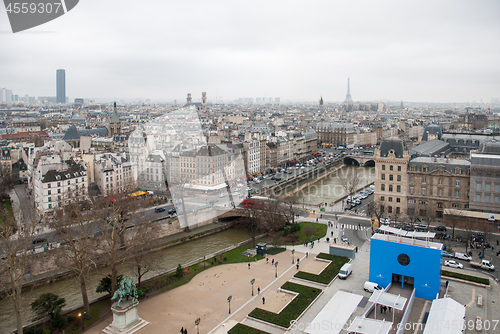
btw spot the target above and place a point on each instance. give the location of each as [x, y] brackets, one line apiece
[418, 52]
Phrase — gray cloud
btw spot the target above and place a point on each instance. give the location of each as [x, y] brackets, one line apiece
[418, 51]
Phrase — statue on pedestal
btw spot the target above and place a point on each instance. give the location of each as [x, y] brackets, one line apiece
[126, 290]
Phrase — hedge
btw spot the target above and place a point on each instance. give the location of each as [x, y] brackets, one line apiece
[244, 329]
[293, 309]
[329, 273]
[475, 279]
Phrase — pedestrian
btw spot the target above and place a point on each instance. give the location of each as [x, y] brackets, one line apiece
[389, 309]
[381, 309]
[272, 262]
[182, 330]
[267, 260]
[385, 309]
[297, 266]
[331, 234]
[307, 254]
[263, 300]
[356, 249]
[258, 290]
[298, 260]
[185, 331]
[249, 266]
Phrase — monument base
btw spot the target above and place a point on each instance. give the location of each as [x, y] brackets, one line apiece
[125, 319]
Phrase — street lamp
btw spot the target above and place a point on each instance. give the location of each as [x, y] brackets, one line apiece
[229, 301]
[197, 323]
[252, 282]
[293, 251]
[276, 266]
[82, 317]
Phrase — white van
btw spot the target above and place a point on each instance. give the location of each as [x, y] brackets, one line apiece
[370, 287]
[462, 256]
[345, 271]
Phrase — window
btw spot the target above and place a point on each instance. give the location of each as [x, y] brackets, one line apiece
[383, 167]
[48, 193]
[486, 198]
[391, 178]
[389, 209]
[456, 205]
[382, 198]
[399, 177]
[457, 193]
[478, 198]
[423, 213]
[390, 187]
[497, 187]
[391, 168]
[48, 185]
[411, 201]
[488, 176]
[497, 199]
[399, 168]
[412, 190]
[69, 182]
[424, 191]
[58, 184]
[390, 199]
[398, 210]
[457, 183]
[398, 200]
[487, 186]
[411, 212]
[479, 175]
[440, 181]
[49, 199]
[424, 179]
[383, 176]
[440, 205]
[382, 187]
[440, 192]
[424, 169]
[478, 186]
[398, 189]
[412, 179]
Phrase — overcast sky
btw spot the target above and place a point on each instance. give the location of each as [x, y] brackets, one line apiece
[421, 51]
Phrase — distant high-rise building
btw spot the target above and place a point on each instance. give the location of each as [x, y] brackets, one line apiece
[277, 100]
[348, 98]
[8, 95]
[321, 102]
[61, 86]
[189, 98]
[204, 98]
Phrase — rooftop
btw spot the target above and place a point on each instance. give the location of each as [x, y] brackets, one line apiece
[408, 241]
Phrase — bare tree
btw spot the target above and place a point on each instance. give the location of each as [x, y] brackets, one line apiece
[121, 227]
[289, 212]
[16, 254]
[253, 221]
[77, 232]
[349, 181]
[376, 209]
[5, 180]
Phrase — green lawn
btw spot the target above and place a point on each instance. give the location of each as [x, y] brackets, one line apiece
[244, 329]
[292, 310]
[329, 273]
[319, 231]
[466, 277]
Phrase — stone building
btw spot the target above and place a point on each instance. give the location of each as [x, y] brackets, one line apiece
[391, 178]
[485, 178]
[435, 184]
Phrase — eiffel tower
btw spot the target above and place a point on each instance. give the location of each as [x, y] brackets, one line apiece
[348, 98]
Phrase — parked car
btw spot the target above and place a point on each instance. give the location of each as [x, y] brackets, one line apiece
[440, 228]
[344, 238]
[453, 264]
[446, 254]
[159, 210]
[172, 211]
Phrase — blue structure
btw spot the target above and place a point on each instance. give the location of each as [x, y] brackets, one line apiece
[400, 260]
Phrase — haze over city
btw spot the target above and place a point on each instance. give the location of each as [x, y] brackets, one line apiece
[423, 51]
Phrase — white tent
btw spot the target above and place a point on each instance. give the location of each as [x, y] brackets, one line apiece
[445, 317]
[369, 326]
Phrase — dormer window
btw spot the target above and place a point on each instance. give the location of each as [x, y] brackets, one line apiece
[58, 177]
